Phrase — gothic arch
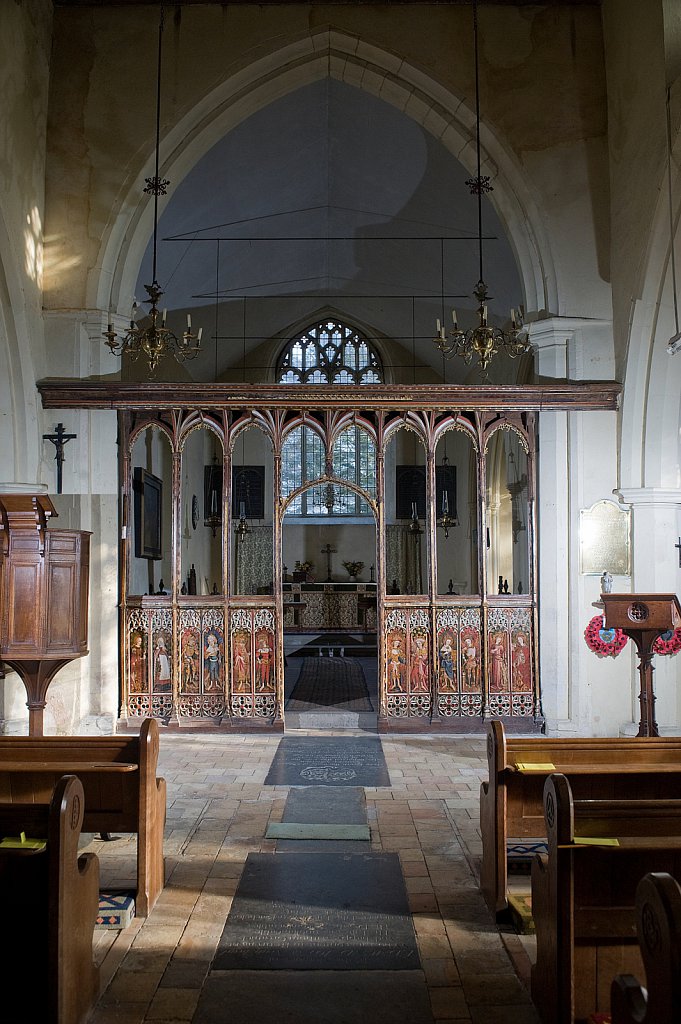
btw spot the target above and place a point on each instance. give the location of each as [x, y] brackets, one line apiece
[650, 450]
[19, 425]
[347, 59]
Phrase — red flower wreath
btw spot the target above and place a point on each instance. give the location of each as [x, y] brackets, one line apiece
[595, 636]
[668, 643]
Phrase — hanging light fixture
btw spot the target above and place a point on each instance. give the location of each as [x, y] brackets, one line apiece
[242, 527]
[155, 340]
[482, 341]
[447, 521]
[213, 496]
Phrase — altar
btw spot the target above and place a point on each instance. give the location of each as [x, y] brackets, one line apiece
[309, 607]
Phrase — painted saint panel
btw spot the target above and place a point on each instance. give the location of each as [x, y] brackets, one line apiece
[459, 679]
[408, 655]
[202, 663]
[253, 663]
[509, 656]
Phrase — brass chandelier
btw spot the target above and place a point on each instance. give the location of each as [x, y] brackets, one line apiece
[153, 338]
[484, 340]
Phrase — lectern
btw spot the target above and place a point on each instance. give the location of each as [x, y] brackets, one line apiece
[643, 617]
[44, 577]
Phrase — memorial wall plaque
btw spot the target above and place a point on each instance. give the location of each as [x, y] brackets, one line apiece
[605, 540]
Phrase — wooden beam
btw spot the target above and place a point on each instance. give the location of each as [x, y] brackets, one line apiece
[83, 394]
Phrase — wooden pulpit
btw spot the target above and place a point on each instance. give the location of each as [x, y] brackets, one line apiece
[643, 617]
[44, 577]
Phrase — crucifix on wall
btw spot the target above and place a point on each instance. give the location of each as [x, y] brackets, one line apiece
[328, 551]
[59, 439]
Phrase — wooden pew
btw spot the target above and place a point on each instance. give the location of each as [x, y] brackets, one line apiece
[50, 900]
[583, 895]
[658, 924]
[511, 801]
[122, 792]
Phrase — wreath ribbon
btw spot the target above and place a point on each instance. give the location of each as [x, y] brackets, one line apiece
[606, 643]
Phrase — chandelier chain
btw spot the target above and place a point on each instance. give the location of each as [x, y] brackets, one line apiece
[483, 340]
[155, 340]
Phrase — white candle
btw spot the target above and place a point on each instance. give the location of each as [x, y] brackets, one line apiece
[454, 319]
[413, 510]
[445, 503]
[484, 315]
[198, 336]
[189, 321]
[163, 318]
[242, 509]
[438, 326]
[513, 316]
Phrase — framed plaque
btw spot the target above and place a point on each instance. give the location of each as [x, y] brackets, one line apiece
[605, 540]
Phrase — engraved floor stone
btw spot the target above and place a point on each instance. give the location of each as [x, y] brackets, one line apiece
[328, 761]
[308, 997]
[307, 911]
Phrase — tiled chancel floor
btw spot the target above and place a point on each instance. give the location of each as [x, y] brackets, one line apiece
[218, 812]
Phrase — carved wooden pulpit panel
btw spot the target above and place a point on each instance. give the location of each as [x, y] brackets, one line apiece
[44, 578]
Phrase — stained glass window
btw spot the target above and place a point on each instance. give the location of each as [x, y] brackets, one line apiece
[329, 352]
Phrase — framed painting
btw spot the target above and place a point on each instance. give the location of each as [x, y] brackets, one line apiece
[148, 493]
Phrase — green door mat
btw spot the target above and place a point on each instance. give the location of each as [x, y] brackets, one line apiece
[303, 830]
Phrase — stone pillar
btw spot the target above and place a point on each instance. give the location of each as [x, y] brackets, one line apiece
[576, 466]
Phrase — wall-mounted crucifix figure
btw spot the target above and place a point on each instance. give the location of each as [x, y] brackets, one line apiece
[328, 551]
[59, 439]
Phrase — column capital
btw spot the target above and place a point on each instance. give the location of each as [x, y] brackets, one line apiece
[658, 497]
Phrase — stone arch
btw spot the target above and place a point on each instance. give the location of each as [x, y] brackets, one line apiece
[350, 60]
[650, 449]
[19, 425]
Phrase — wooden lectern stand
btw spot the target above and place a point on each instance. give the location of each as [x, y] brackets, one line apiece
[643, 617]
[44, 577]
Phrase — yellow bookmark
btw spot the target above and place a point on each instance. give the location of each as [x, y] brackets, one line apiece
[535, 766]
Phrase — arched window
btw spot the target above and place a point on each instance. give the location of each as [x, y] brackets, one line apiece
[329, 352]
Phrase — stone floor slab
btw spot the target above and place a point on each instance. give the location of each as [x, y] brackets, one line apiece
[319, 911]
[328, 761]
[308, 997]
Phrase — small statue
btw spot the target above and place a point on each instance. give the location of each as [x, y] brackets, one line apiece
[606, 583]
[501, 584]
[520, 586]
[450, 588]
[215, 588]
[183, 588]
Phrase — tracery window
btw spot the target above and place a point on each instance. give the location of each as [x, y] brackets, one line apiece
[329, 352]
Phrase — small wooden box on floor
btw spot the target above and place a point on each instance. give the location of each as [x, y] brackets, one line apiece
[49, 905]
[583, 895]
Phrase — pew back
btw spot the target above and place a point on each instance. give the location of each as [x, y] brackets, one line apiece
[50, 904]
[511, 801]
[658, 925]
[583, 894]
[122, 792]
